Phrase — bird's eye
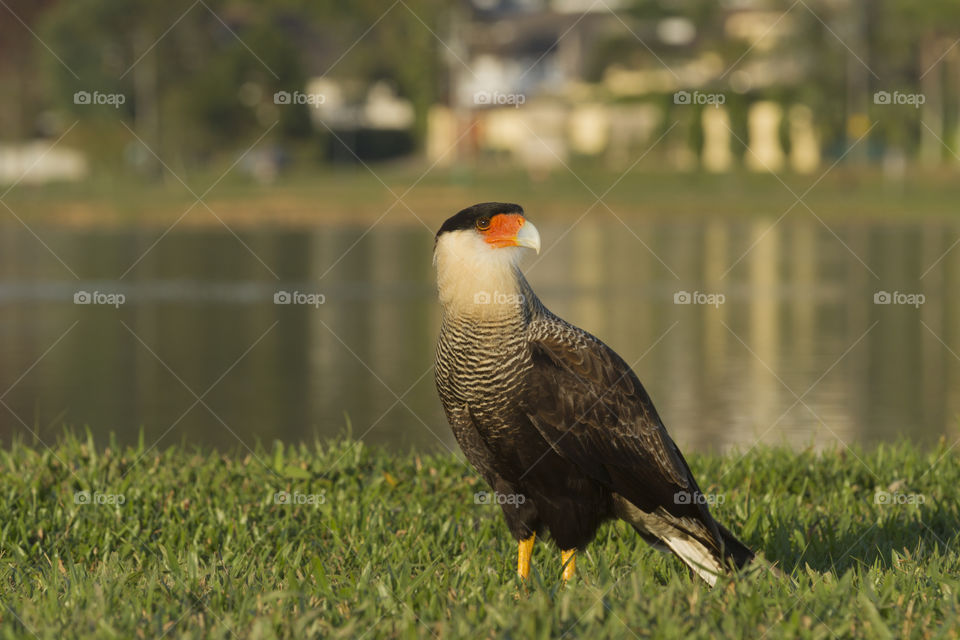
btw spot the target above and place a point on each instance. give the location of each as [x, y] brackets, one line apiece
[483, 224]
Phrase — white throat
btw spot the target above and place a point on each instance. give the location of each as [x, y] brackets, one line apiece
[475, 279]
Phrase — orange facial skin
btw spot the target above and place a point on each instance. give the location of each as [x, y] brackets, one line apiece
[503, 230]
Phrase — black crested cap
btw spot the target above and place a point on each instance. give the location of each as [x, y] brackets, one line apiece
[467, 218]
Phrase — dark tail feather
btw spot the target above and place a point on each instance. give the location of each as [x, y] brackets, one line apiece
[733, 549]
[740, 555]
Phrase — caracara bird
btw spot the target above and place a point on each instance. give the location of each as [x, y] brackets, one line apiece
[552, 418]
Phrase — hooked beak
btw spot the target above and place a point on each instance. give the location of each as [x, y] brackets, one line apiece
[512, 230]
[529, 237]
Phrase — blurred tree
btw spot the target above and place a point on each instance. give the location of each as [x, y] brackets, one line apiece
[197, 78]
[851, 50]
[402, 47]
[915, 47]
[19, 50]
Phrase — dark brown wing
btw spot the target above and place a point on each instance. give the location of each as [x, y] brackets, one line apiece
[590, 406]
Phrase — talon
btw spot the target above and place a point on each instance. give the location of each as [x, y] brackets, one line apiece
[524, 551]
[569, 561]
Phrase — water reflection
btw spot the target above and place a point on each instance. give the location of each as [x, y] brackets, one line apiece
[797, 353]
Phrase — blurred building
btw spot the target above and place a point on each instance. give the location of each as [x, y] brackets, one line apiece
[370, 122]
[39, 162]
[541, 82]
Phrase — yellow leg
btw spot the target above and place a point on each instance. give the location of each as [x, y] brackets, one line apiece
[569, 563]
[524, 551]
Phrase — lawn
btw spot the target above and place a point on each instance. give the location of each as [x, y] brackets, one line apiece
[109, 541]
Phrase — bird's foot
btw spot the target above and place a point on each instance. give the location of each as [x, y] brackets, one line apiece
[569, 561]
[524, 551]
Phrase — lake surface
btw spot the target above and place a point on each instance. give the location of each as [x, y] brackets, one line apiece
[199, 352]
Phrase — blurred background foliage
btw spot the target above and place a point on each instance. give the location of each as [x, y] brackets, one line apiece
[198, 76]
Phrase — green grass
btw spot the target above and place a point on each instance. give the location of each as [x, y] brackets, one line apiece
[398, 548]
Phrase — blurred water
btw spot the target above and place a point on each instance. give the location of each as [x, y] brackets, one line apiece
[199, 352]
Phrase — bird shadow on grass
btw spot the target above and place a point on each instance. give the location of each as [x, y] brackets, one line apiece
[837, 544]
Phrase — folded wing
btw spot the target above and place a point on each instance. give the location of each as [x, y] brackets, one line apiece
[590, 406]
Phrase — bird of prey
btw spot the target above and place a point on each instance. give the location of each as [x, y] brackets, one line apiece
[553, 419]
